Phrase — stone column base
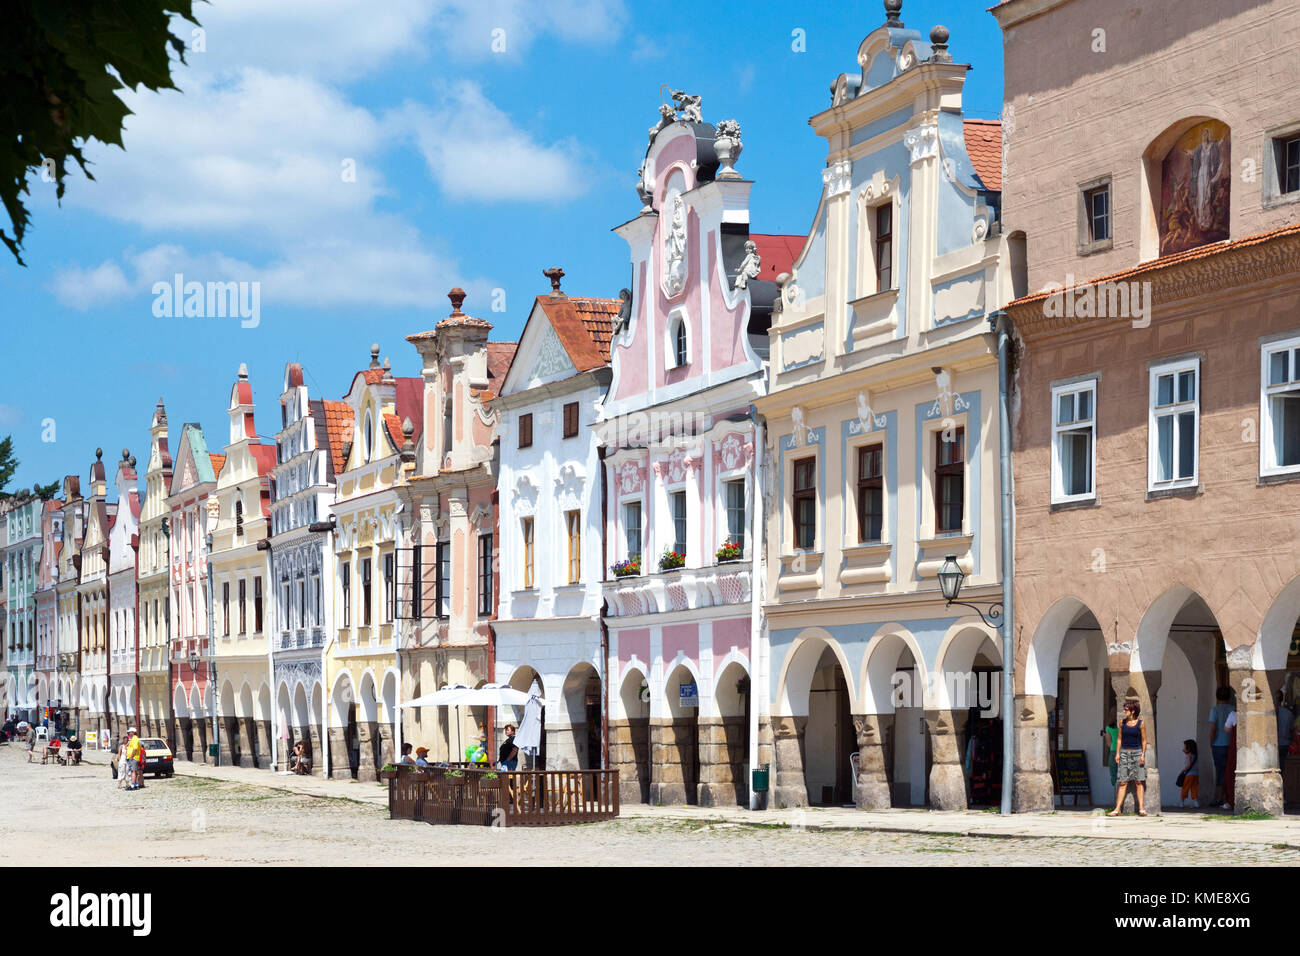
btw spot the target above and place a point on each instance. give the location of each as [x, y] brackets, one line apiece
[789, 785]
[872, 788]
[629, 754]
[947, 778]
[1260, 791]
[368, 734]
[1032, 790]
[340, 765]
[386, 751]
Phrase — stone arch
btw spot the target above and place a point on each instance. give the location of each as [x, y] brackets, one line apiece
[797, 670]
[725, 736]
[879, 665]
[180, 702]
[953, 686]
[1043, 657]
[341, 697]
[629, 735]
[576, 742]
[245, 706]
[368, 699]
[1274, 639]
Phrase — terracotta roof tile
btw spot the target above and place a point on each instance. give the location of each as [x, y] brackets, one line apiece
[777, 253]
[1187, 255]
[218, 462]
[410, 404]
[984, 146]
[395, 430]
[338, 426]
[583, 325]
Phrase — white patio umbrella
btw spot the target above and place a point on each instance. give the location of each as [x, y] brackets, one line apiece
[529, 736]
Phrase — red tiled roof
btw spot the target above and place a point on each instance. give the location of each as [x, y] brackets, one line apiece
[410, 404]
[264, 455]
[394, 425]
[777, 253]
[338, 424]
[499, 357]
[1187, 255]
[984, 146]
[218, 462]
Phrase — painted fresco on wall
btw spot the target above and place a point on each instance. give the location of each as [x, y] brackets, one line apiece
[1196, 180]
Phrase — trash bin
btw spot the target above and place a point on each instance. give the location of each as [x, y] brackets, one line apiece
[212, 750]
[761, 778]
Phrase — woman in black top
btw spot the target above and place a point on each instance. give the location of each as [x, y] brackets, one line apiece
[508, 755]
[1131, 757]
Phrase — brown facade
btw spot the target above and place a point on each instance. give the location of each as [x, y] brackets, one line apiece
[1168, 568]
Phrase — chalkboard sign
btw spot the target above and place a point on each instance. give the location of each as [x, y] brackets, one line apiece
[1072, 773]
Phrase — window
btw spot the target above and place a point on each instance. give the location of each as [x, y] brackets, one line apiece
[679, 343]
[243, 593]
[805, 504]
[347, 595]
[526, 430]
[389, 592]
[225, 608]
[677, 505]
[315, 606]
[1074, 434]
[632, 529]
[871, 494]
[285, 604]
[528, 552]
[443, 554]
[448, 419]
[365, 592]
[485, 584]
[735, 492]
[570, 419]
[949, 479]
[367, 437]
[1280, 411]
[417, 584]
[1174, 424]
[239, 518]
[1096, 204]
[573, 524]
[884, 247]
[301, 586]
[1287, 150]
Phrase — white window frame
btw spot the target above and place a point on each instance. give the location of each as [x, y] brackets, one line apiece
[1058, 473]
[677, 320]
[1267, 462]
[723, 518]
[1173, 368]
[623, 527]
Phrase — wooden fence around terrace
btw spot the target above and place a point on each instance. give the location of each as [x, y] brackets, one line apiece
[522, 798]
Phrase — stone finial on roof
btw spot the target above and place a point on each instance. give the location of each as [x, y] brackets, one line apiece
[243, 372]
[374, 355]
[555, 274]
[939, 41]
[388, 372]
[99, 454]
[408, 443]
[727, 145]
[131, 461]
[457, 297]
[126, 454]
[892, 9]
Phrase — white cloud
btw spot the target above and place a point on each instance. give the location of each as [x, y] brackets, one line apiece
[475, 29]
[475, 152]
[338, 39]
[81, 288]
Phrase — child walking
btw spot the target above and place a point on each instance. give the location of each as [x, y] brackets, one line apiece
[1191, 775]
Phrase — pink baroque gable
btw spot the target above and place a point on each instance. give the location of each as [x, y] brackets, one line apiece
[734, 450]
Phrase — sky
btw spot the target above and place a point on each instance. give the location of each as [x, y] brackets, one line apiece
[357, 161]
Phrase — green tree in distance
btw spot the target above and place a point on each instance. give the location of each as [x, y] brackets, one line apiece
[8, 464]
[62, 63]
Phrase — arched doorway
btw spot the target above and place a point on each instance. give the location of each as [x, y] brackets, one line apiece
[317, 729]
[580, 740]
[675, 741]
[302, 721]
[368, 729]
[524, 678]
[965, 726]
[828, 737]
[248, 728]
[285, 727]
[182, 743]
[629, 733]
[897, 773]
[1276, 662]
[344, 734]
[1178, 664]
[724, 741]
[387, 720]
[233, 745]
[812, 727]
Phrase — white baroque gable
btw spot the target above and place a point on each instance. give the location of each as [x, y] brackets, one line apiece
[552, 361]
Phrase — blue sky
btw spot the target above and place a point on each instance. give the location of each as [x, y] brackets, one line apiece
[474, 167]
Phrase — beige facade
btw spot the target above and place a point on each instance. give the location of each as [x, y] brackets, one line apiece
[1157, 443]
[882, 451]
[152, 585]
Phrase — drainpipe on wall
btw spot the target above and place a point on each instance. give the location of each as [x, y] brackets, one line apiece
[1001, 326]
[755, 597]
[271, 627]
[604, 628]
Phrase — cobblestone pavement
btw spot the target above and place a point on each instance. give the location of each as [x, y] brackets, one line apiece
[76, 816]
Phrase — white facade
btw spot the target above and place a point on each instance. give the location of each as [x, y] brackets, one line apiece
[122, 541]
[548, 628]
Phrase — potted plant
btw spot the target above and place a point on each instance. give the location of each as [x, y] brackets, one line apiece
[730, 551]
[388, 772]
[454, 777]
[626, 569]
[671, 560]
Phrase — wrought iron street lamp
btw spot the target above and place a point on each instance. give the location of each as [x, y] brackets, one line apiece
[951, 577]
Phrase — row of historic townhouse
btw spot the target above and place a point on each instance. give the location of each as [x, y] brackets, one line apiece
[715, 521]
